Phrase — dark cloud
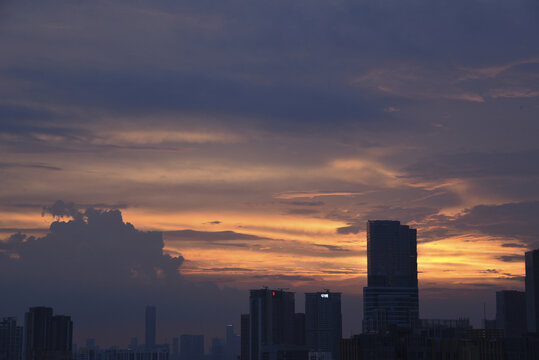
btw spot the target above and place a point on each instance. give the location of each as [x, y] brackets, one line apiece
[303, 211]
[29, 166]
[345, 230]
[303, 203]
[514, 245]
[215, 222]
[193, 235]
[61, 209]
[511, 258]
[332, 247]
[511, 220]
[228, 269]
[103, 271]
[285, 277]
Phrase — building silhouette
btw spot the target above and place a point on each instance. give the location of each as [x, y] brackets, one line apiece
[10, 339]
[511, 312]
[192, 347]
[532, 290]
[274, 327]
[244, 336]
[391, 295]
[323, 322]
[47, 337]
[150, 328]
[232, 344]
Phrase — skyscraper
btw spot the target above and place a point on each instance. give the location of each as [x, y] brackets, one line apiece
[391, 295]
[272, 326]
[47, 336]
[244, 335]
[151, 319]
[10, 339]
[323, 322]
[532, 290]
[511, 312]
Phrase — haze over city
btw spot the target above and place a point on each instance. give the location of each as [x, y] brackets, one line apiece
[181, 153]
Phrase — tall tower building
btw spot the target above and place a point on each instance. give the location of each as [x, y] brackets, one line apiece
[391, 295]
[532, 290]
[151, 319]
[511, 312]
[323, 322]
[47, 336]
[272, 325]
[37, 332]
[10, 339]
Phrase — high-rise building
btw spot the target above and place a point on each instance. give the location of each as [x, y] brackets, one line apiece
[323, 322]
[10, 339]
[151, 323]
[511, 312]
[272, 326]
[47, 336]
[244, 336]
[232, 344]
[532, 290]
[175, 349]
[192, 347]
[391, 295]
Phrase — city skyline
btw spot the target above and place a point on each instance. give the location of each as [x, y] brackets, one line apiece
[176, 152]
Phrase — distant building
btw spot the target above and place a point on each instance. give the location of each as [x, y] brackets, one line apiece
[151, 324]
[391, 295]
[217, 349]
[10, 339]
[232, 344]
[532, 291]
[47, 336]
[323, 324]
[511, 312]
[175, 354]
[192, 347]
[244, 336]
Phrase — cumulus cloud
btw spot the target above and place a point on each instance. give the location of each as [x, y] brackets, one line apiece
[102, 271]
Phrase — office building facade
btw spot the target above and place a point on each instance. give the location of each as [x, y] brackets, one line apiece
[323, 323]
[391, 297]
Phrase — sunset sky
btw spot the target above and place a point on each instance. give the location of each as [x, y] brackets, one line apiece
[259, 137]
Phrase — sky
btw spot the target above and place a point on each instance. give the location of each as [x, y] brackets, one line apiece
[179, 153]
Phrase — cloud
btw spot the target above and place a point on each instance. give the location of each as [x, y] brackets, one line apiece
[511, 258]
[303, 211]
[345, 230]
[193, 235]
[314, 194]
[285, 277]
[29, 166]
[332, 247]
[303, 203]
[514, 245]
[511, 220]
[103, 271]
